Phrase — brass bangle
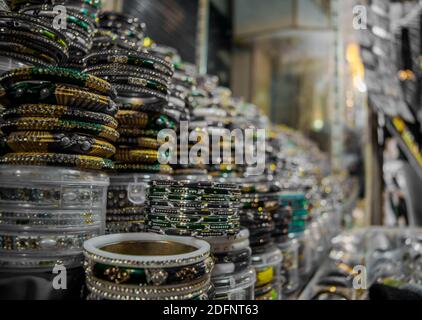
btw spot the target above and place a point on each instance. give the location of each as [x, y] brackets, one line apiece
[143, 156]
[55, 124]
[62, 112]
[132, 118]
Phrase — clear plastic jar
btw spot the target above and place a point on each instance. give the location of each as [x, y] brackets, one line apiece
[238, 286]
[52, 188]
[305, 254]
[268, 273]
[290, 266]
[126, 201]
[46, 213]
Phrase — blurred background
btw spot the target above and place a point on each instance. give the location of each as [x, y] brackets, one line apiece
[309, 65]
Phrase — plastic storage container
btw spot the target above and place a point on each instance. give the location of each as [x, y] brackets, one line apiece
[290, 266]
[267, 266]
[126, 201]
[238, 286]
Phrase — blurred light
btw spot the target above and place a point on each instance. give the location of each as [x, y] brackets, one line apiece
[318, 125]
[148, 42]
[360, 85]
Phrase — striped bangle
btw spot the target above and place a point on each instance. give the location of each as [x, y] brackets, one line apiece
[51, 93]
[59, 75]
[55, 124]
[147, 143]
[131, 156]
[62, 112]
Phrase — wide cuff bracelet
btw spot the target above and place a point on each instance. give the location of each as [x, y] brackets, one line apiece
[146, 251]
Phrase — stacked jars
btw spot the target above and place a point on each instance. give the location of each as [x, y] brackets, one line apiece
[232, 276]
[298, 231]
[62, 118]
[259, 204]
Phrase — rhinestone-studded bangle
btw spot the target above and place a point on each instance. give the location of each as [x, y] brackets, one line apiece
[53, 159]
[41, 141]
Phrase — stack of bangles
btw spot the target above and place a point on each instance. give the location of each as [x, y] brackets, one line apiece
[232, 276]
[142, 83]
[118, 30]
[31, 40]
[79, 29]
[146, 266]
[200, 209]
[59, 117]
[257, 215]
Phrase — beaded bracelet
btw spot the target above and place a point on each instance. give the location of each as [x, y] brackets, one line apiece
[142, 156]
[120, 292]
[217, 186]
[39, 141]
[72, 16]
[9, 23]
[53, 159]
[24, 58]
[42, 45]
[35, 21]
[21, 49]
[192, 233]
[139, 168]
[44, 242]
[137, 91]
[192, 197]
[191, 190]
[61, 112]
[139, 59]
[126, 70]
[132, 118]
[180, 218]
[60, 75]
[198, 212]
[147, 143]
[136, 133]
[56, 124]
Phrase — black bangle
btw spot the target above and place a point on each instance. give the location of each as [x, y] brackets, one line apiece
[35, 42]
[125, 70]
[139, 59]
